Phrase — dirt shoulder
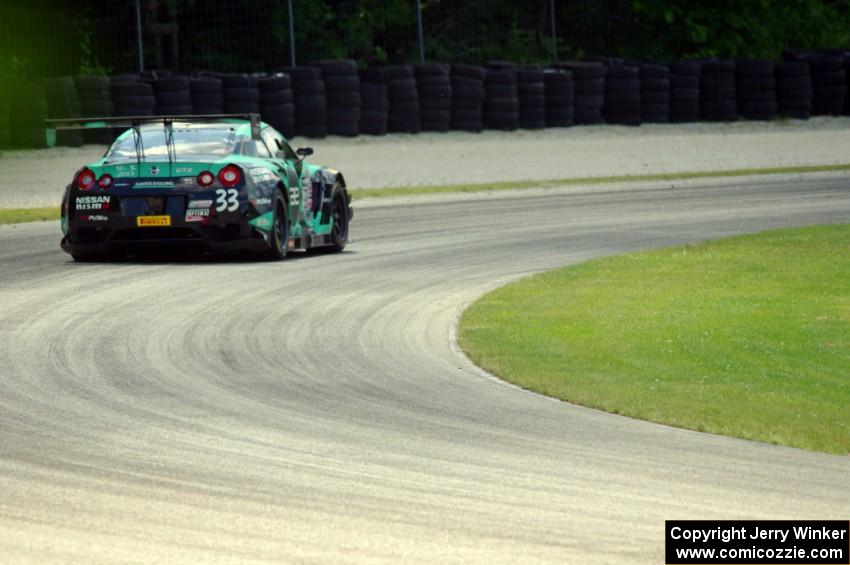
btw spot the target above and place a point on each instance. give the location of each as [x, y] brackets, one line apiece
[37, 177]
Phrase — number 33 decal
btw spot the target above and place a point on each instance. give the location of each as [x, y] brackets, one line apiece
[226, 200]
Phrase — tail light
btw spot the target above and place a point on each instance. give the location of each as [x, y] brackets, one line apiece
[206, 178]
[230, 176]
[85, 179]
[105, 181]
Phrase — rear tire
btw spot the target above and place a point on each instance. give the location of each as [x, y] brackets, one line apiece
[279, 237]
[339, 230]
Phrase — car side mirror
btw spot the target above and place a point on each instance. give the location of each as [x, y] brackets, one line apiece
[304, 151]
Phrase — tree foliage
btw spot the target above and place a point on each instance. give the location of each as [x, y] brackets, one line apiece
[56, 37]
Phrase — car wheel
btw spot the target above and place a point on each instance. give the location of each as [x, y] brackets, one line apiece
[339, 232]
[279, 237]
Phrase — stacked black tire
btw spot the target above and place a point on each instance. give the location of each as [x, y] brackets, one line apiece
[63, 102]
[685, 91]
[794, 89]
[342, 88]
[311, 102]
[654, 94]
[374, 103]
[589, 80]
[532, 98]
[95, 102]
[501, 98]
[131, 97]
[403, 94]
[559, 91]
[622, 95]
[828, 79]
[467, 97]
[28, 112]
[241, 95]
[173, 97]
[435, 96]
[207, 95]
[829, 86]
[277, 106]
[718, 95]
[756, 84]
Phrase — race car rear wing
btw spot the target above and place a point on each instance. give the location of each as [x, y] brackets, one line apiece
[56, 124]
[134, 122]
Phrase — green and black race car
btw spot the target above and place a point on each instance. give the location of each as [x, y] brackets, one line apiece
[220, 183]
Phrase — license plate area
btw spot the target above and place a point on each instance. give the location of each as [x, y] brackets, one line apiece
[171, 205]
[154, 205]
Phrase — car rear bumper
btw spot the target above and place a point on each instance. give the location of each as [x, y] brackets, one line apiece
[224, 238]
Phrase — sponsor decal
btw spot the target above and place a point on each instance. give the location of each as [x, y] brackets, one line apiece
[154, 184]
[101, 202]
[153, 221]
[197, 215]
[94, 218]
[261, 175]
[308, 194]
[182, 170]
[264, 222]
[293, 196]
[187, 180]
[125, 170]
[200, 203]
[154, 171]
[263, 201]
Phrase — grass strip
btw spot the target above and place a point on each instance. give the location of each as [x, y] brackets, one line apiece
[747, 337]
[20, 215]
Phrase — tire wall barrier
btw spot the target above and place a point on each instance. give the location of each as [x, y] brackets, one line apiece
[501, 97]
[335, 97]
[277, 103]
[64, 102]
[403, 96]
[342, 91]
[374, 102]
[434, 86]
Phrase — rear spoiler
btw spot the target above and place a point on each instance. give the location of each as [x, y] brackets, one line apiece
[133, 122]
[65, 124]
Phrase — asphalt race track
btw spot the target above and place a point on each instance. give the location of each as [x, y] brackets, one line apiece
[315, 410]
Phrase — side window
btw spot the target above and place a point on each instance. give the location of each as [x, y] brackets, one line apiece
[276, 143]
[247, 148]
[262, 150]
[287, 150]
[271, 140]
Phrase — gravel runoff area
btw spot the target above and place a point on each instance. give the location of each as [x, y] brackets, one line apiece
[37, 177]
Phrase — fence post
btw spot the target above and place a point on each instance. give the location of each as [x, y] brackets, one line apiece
[291, 35]
[552, 19]
[139, 36]
[419, 26]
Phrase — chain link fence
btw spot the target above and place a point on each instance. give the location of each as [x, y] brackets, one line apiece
[254, 35]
